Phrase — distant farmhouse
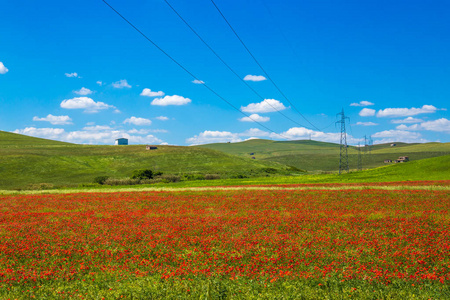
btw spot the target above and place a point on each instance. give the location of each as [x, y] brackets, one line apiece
[393, 145]
[402, 159]
[386, 161]
[148, 147]
[121, 141]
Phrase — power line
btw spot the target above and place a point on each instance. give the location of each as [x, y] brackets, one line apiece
[189, 72]
[260, 66]
[226, 64]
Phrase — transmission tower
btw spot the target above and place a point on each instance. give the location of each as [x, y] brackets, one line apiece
[365, 144]
[370, 143]
[343, 155]
[359, 157]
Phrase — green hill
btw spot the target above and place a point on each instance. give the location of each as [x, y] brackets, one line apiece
[321, 156]
[27, 160]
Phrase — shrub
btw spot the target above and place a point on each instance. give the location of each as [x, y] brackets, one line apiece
[94, 184]
[194, 177]
[212, 176]
[100, 179]
[142, 174]
[170, 178]
[40, 186]
[269, 170]
[122, 181]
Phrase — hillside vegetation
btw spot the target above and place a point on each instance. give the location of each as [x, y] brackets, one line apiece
[27, 160]
[321, 156]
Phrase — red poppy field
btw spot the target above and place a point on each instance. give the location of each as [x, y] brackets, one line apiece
[293, 244]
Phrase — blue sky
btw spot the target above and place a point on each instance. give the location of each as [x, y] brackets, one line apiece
[75, 71]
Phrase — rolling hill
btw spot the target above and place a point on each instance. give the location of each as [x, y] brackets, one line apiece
[321, 156]
[27, 160]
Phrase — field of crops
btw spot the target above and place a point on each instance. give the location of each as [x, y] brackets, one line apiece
[292, 244]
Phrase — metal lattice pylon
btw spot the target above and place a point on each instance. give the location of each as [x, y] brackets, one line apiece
[359, 157]
[343, 155]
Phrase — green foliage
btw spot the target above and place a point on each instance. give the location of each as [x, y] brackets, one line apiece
[100, 179]
[26, 160]
[142, 174]
[212, 176]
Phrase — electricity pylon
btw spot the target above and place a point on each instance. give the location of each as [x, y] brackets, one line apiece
[359, 157]
[343, 155]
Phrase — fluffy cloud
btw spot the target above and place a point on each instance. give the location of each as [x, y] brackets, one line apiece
[91, 136]
[171, 100]
[83, 91]
[150, 93]
[208, 136]
[254, 118]
[255, 132]
[362, 103]
[100, 83]
[405, 112]
[86, 103]
[3, 69]
[47, 133]
[55, 120]
[162, 118]
[196, 81]
[121, 84]
[366, 124]
[254, 78]
[268, 105]
[440, 125]
[296, 133]
[408, 120]
[74, 74]
[367, 112]
[394, 135]
[138, 121]
[301, 133]
[97, 128]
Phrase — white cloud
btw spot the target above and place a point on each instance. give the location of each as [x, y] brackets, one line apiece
[366, 124]
[121, 84]
[3, 69]
[404, 112]
[296, 133]
[150, 93]
[412, 127]
[171, 100]
[48, 133]
[83, 91]
[74, 74]
[55, 120]
[196, 81]
[97, 128]
[162, 118]
[440, 125]
[398, 136]
[209, 136]
[254, 118]
[408, 120]
[367, 112]
[86, 103]
[100, 83]
[254, 132]
[138, 121]
[91, 136]
[254, 78]
[362, 103]
[300, 133]
[268, 105]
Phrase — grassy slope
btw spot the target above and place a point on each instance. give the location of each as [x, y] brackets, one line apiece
[26, 160]
[313, 155]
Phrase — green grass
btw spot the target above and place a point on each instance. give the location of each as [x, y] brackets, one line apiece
[320, 156]
[27, 160]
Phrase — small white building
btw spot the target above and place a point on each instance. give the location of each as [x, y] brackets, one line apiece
[121, 141]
